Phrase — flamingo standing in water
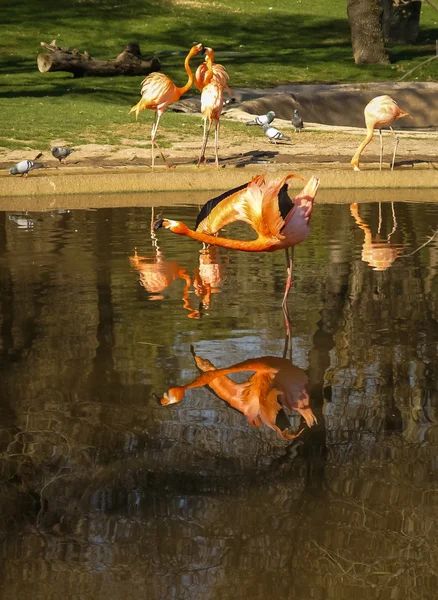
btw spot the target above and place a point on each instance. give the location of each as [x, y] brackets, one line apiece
[212, 101]
[158, 91]
[380, 112]
[279, 221]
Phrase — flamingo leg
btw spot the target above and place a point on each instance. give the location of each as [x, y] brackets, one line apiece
[204, 141]
[216, 143]
[155, 143]
[381, 148]
[153, 132]
[289, 262]
[395, 148]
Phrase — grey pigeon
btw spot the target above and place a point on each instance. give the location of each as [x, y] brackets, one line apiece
[263, 119]
[24, 166]
[61, 153]
[297, 121]
[274, 135]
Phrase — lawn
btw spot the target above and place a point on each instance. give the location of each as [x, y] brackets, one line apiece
[261, 43]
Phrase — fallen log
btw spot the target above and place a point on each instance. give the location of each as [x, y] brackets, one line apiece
[128, 62]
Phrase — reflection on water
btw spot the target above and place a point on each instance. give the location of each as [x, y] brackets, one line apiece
[104, 492]
[276, 384]
[378, 253]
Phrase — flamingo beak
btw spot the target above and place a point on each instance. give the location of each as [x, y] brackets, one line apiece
[157, 224]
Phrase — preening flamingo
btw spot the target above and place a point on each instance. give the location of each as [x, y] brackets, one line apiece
[220, 76]
[276, 384]
[380, 112]
[158, 91]
[212, 101]
[279, 221]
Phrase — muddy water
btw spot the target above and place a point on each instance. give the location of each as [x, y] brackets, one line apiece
[105, 493]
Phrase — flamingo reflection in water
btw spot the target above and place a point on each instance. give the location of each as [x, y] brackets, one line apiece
[377, 252]
[275, 387]
[157, 274]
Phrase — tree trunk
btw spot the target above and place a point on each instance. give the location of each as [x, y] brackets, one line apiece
[366, 32]
[401, 23]
[129, 62]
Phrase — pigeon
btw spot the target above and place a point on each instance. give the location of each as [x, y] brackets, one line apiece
[61, 153]
[274, 135]
[263, 119]
[24, 166]
[297, 121]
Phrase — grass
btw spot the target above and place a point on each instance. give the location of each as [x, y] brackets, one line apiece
[261, 43]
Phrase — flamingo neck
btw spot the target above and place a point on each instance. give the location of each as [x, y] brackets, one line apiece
[189, 83]
[209, 75]
[366, 141]
[257, 245]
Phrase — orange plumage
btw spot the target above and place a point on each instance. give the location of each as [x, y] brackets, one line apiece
[158, 91]
[212, 80]
[218, 75]
[279, 221]
[275, 384]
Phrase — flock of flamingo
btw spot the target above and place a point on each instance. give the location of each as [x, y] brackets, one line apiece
[279, 221]
[158, 91]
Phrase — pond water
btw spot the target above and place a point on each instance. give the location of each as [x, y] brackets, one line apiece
[105, 493]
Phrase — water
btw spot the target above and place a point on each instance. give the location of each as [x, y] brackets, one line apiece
[107, 494]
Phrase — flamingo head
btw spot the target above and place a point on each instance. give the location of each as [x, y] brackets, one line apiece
[355, 164]
[173, 396]
[175, 226]
[309, 190]
[196, 49]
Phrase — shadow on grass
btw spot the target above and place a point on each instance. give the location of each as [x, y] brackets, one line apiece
[259, 45]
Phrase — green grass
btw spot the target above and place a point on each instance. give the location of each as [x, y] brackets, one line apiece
[295, 41]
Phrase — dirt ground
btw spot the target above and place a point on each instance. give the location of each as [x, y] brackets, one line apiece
[316, 144]
[325, 145]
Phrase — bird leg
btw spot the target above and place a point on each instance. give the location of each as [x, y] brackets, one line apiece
[216, 143]
[381, 148]
[395, 147]
[155, 143]
[289, 263]
[204, 141]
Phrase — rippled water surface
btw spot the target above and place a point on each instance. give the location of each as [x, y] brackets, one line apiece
[105, 493]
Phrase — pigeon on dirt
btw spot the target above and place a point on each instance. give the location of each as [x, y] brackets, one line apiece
[24, 166]
[297, 121]
[263, 119]
[61, 153]
[274, 134]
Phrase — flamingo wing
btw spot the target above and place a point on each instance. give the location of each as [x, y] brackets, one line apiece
[220, 76]
[158, 91]
[233, 205]
[276, 206]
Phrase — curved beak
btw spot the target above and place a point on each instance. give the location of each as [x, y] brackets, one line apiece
[157, 224]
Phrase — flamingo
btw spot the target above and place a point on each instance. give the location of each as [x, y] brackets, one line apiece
[212, 101]
[158, 91]
[276, 384]
[379, 112]
[219, 73]
[377, 253]
[279, 221]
